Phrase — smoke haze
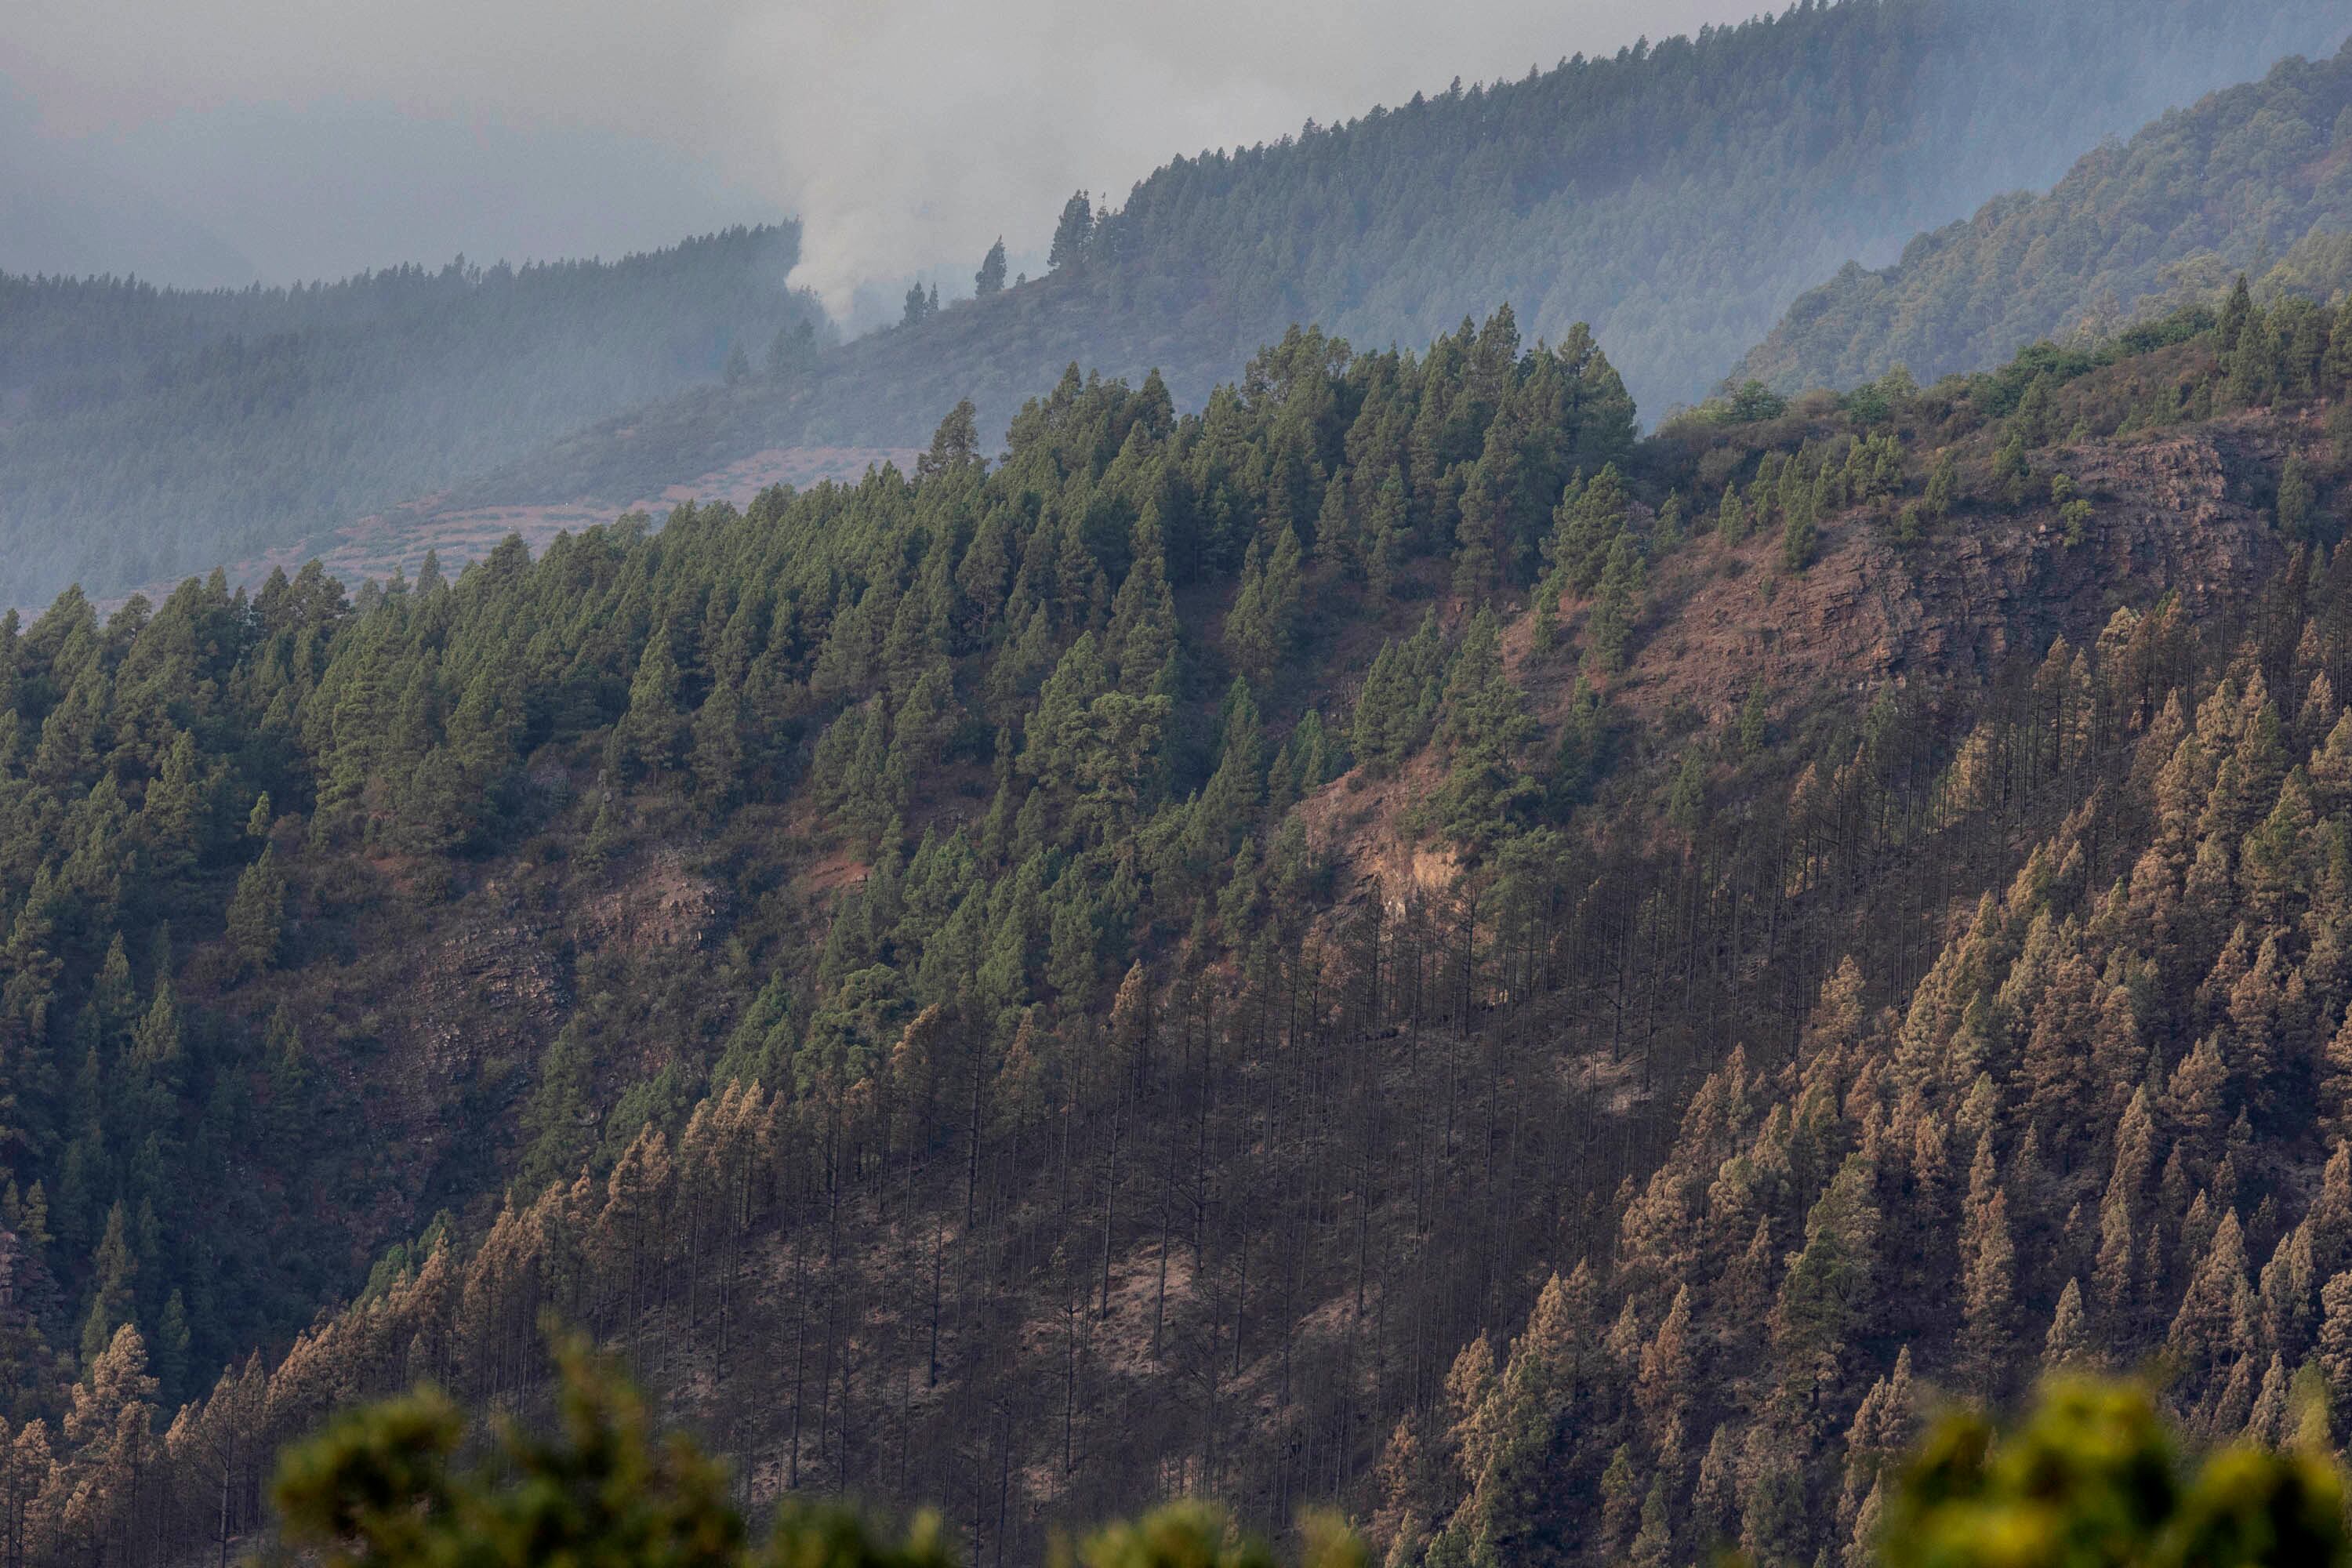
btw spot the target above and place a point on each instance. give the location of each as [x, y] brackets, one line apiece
[222, 141]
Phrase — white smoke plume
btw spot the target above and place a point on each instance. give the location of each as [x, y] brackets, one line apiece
[907, 134]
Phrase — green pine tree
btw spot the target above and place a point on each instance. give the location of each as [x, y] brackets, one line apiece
[1615, 605]
[2294, 498]
[257, 913]
[989, 278]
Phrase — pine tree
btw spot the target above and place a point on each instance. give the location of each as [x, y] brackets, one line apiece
[1074, 233]
[560, 1121]
[2269, 1421]
[1754, 717]
[1799, 539]
[2305, 335]
[1714, 1503]
[2335, 1349]
[113, 1271]
[168, 820]
[717, 755]
[2336, 367]
[2013, 469]
[955, 445]
[1479, 546]
[1375, 733]
[1487, 729]
[989, 278]
[1943, 491]
[1669, 1367]
[1862, 1547]
[2294, 498]
[171, 1337]
[1621, 1503]
[790, 352]
[1142, 635]
[1731, 517]
[1989, 1294]
[1406, 1484]
[1586, 526]
[2219, 1302]
[2235, 313]
[2068, 1342]
[1388, 533]
[2032, 419]
[1653, 1543]
[2119, 1255]
[2336, 1085]
[1772, 1523]
[1263, 625]
[111, 1401]
[1614, 607]
[1881, 1432]
[646, 740]
[1670, 524]
[288, 1075]
[1828, 1292]
[257, 913]
[2253, 366]
[607, 832]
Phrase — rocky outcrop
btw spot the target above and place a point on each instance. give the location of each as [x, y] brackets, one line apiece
[2172, 514]
[2169, 515]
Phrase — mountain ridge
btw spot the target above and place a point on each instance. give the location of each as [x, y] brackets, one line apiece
[2252, 171]
[1676, 197]
[145, 433]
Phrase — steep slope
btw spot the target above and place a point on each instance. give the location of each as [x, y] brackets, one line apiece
[2104, 1129]
[1032, 987]
[1670, 195]
[2232, 182]
[1675, 196]
[146, 433]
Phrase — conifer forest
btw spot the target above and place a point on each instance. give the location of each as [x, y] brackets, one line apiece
[1591, 933]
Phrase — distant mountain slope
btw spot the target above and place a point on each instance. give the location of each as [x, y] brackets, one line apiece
[2243, 176]
[398, 543]
[145, 432]
[1675, 197]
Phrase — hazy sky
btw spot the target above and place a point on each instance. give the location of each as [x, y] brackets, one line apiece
[218, 140]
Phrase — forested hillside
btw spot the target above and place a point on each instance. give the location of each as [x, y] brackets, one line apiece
[2237, 182]
[1035, 984]
[1676, 197]
[146, 431]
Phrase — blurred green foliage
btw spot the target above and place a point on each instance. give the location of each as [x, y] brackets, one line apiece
[383, 1487]
[2095, 1477]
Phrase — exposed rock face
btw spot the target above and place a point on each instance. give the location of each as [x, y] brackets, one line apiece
[2168, 517]
[2173, 514]
[493, 985]
[659, 903]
